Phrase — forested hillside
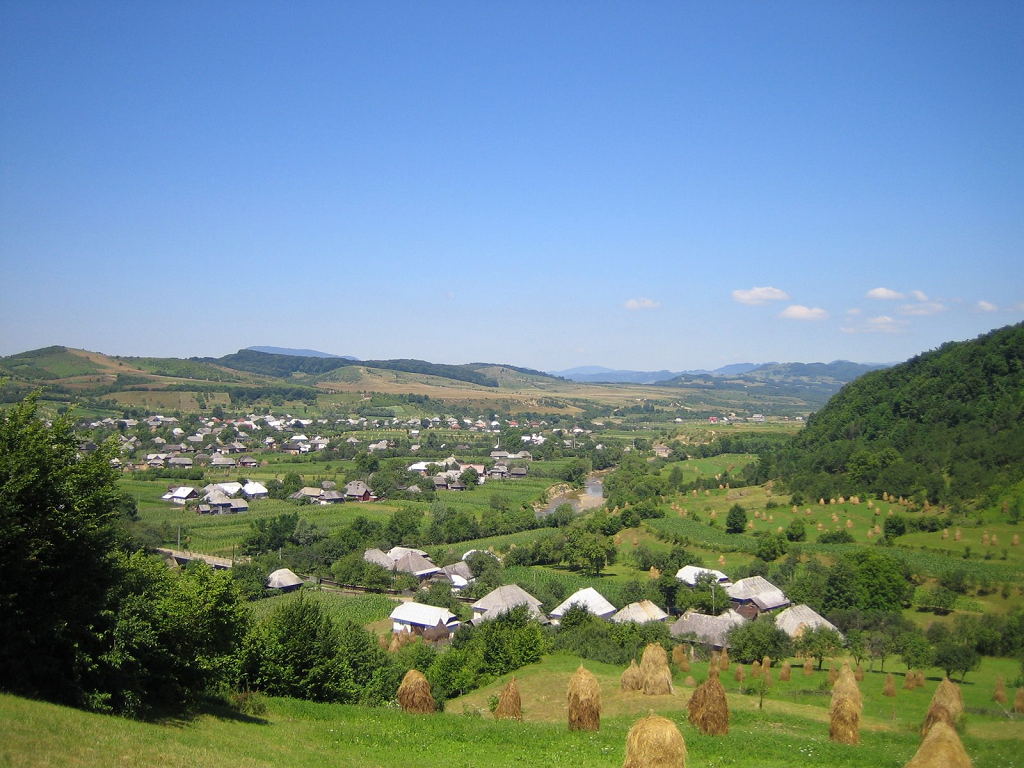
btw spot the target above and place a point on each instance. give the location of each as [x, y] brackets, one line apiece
[946, 425]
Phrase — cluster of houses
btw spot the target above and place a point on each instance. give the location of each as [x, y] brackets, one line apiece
[218, 498]
[749, 598]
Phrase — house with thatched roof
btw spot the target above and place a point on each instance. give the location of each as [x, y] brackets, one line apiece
[181, 494]
[284, 579]
[707, 630]
[689, 574]
[589, 599]
[755, 595]
[797, 619]
[459, 574]
[503, 599]
[640, 613]
[378, 557]
[357, 490]
[254, 490]
[416, 564]
[419, 617]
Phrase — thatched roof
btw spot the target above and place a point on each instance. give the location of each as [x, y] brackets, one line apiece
[710, 630]
[641, 613]
[378, 557]
[507, 596]
[423, 615]
[759, 591]
[588, 598]
[798, 618]
[415, 564]
[283, 578]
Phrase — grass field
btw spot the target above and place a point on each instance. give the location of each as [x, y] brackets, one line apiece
[791, 730]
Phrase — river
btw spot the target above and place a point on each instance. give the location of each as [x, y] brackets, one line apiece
[581, 499]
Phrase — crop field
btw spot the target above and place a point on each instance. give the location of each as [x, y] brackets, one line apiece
[359, 609]
[792, 729]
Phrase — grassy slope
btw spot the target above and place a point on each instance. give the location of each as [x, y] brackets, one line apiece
[792, 729]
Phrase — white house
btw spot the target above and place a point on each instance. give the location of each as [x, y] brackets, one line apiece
[412, 616]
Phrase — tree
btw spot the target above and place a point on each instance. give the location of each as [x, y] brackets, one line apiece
[952, 656]
[795, 531]
[736, 519]
[771, 547]
[915, 650]
[57, 513]
[755, 639]
[819, 643]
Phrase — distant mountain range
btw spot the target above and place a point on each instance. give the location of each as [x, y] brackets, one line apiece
[595, 373]
[297, 352]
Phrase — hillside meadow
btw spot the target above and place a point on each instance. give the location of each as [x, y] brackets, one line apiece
[791, 729]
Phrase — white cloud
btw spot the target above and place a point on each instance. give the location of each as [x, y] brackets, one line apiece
[924, 309]
[853, 311]
[986, 306]
[800, 312]
[879, 324]
[759, 295]
[634, 304]
[919, 295]
[884, 293]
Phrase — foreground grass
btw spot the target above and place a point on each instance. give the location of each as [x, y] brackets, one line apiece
[792, 729]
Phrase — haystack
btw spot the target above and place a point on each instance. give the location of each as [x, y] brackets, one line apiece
[940, 748]
[919, 679]
[766, 674]
[414, 694]
[739, 675]
[1018, 701]
[723, 660]
[890, 686]
[708, 708]
[766, 663]
[909, 681]
[584, 701]
[510, 705]
[655, 742]
[632, 679]
[657, 677]
[755, 668]
[858, 673]
[714, 667]
[786, 672]
[689, 682]
[947, 706]
[808, 667]
[845, 709]
[1000, 693]
[833, 674]
[681, 658]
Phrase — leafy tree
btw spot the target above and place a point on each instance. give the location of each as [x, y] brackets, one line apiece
[795, 531]
[755, 639]
[915, 650]
[952, 656]
[736, 519]
[819, 643]
[771, 547]
[57, 514]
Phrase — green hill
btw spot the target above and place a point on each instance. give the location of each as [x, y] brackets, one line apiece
[946, 425]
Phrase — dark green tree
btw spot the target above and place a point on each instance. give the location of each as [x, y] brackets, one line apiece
[736, 519]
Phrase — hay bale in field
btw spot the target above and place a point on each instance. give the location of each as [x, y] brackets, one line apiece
[723, 660]
[714, 667]
[1000, 693]
[919, 679]
[940, 748]
[655, 742]
[947, 706]
[945, 533]
[765, 663]
[681, 658]
[957, 535]
[1015, 541]
[890, 686]
[808, 667]
[510, 704]
[382, 641]
[708, 709]
[414, 694]
[721, 560]
[739, 675]
[584, 700]
[689, 682]
[845, 709]
[833, 674]
[755, 668]
[1018, 701]
[657, 677]
[766, 674]
[786, 672]
[395, 643]
[858, 673]
[909, 681]
[632, 679]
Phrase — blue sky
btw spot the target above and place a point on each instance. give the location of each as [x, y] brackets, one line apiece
[635, 185]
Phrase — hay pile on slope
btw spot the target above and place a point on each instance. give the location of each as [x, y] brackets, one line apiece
[723, 660]
[510, 705]
[739, 675]
[766, 674]
[681, 658]
[414, 694]
[833, 674]
[890, 686]
[655, 742]
[631, 679]
[845, 709]
[657, 677]
[755, 668]
[940, 748]
[947, 706]
[858, 673]
[808, 667]
[689, 682]
[909, 681]
[584, 701]
[786, 672]
[919, 679]
[766, 663]
[1018, 701]
[999, 697]
[708, 708]
[713, 666]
